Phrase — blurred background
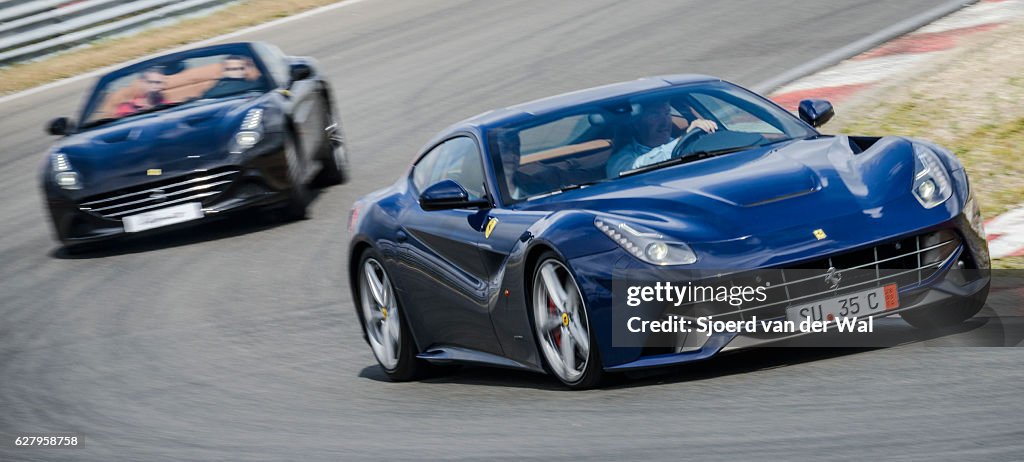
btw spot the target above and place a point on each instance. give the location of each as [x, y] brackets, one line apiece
[238, 339]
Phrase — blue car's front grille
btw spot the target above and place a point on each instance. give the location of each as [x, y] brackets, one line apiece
[905, 262]
[194, 187]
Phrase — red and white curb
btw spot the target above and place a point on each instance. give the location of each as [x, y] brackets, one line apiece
[1006, 234]
[861, 72]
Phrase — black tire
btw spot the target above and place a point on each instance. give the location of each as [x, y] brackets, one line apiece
[334, 154]
[948, 314]
[297, 203]
[593, 373]
[408, 366]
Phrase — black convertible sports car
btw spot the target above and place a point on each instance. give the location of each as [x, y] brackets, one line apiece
[191, 135]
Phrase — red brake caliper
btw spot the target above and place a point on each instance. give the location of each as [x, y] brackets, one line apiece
[553, 311]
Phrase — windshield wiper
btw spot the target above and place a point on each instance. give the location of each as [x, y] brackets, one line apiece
[568, 187]
[98, 122]
[690, 157]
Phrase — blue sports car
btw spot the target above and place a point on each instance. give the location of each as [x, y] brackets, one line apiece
[192, 135]
[507, 241]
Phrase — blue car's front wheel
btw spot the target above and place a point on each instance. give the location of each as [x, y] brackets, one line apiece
[561, 325]
[384, 323]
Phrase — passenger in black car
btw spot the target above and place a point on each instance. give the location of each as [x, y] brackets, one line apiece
[234, 78]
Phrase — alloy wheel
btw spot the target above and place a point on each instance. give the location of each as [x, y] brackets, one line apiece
[380, 314]
[560, 321]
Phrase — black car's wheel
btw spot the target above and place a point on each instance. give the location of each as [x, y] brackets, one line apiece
[561, 325]
[384, 322]
[334, 155]
[948, 314]
[297, 202]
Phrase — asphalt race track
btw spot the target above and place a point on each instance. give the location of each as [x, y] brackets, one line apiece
[238, 340]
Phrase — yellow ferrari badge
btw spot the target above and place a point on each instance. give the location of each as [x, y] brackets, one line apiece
[565, 319]
[154, 172]
[490, 227]
[820, 234]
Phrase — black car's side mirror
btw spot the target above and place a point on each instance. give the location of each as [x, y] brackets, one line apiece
[449, 194]
[816, 112]
[60, 126]
[300, 71]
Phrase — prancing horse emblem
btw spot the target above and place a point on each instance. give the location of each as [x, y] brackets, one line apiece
[832, 278]
[490, 227]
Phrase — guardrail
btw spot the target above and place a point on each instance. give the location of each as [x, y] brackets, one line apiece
[34, 28]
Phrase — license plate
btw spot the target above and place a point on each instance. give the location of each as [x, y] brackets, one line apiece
[163, 217]
[857, 304]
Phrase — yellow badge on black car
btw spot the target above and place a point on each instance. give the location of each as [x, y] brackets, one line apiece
[490, 227]
[154, 172]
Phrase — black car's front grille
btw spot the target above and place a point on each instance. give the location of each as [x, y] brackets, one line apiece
[905, 262]
[197, 186]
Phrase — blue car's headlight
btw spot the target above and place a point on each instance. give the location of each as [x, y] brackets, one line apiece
[646, 244]
[250, 132]
[931, 180]
[63, 174]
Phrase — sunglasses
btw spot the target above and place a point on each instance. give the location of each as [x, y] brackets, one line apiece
[232, 69]
[155, 82]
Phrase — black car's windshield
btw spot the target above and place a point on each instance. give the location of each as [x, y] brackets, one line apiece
[171, 83]
[606, 140]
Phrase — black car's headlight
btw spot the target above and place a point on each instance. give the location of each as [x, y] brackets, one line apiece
[250, 132]
[932, 185]
[646, 244]
[63, 173]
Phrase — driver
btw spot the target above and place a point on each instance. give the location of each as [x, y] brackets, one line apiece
[234, 78]
[652, 137]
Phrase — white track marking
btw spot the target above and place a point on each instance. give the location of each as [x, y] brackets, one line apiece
[219, 38]
[977, 15]
[853, 72]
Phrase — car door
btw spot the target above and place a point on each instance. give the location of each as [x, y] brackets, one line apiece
[442, 275]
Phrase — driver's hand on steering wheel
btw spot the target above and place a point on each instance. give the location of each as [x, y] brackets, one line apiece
[708, 126]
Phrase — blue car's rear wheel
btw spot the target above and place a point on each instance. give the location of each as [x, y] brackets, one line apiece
[562, 327]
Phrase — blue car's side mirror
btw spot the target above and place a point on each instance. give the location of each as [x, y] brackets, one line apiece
[816, 112]
[449, 194]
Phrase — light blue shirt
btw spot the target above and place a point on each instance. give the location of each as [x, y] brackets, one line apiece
[636, 155]
[623, 159]
[658, 154]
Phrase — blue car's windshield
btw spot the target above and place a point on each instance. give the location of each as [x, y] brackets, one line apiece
[609, 139]
[172, 83]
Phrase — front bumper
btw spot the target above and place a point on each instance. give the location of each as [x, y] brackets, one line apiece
[232, 184]
[959, 275]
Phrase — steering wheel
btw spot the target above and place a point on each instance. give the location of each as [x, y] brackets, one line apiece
[687, 141]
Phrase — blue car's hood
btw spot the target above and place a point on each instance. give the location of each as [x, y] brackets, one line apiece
[754, 193]
[176, 141]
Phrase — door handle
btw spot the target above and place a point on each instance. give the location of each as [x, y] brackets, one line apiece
[400, 236]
